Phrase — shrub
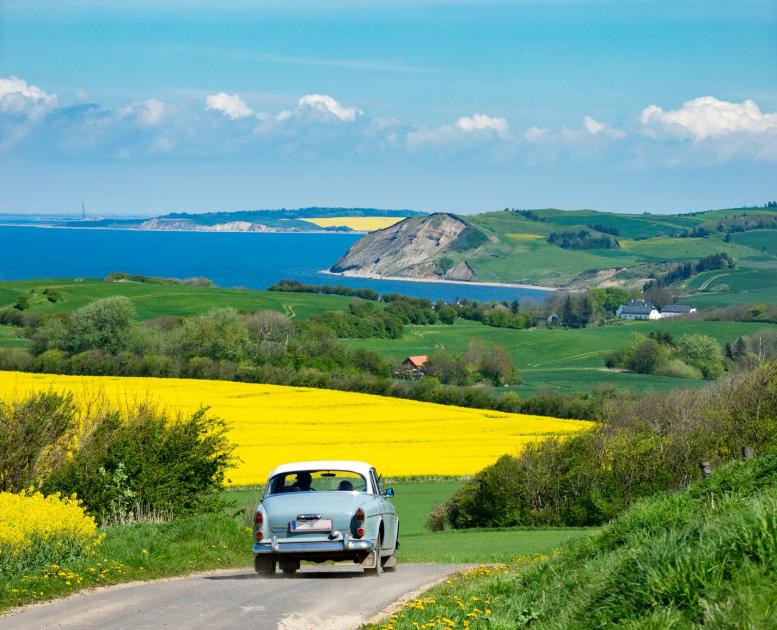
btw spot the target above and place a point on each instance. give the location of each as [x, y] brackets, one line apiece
[143, 460]
[677, 369]
[34, 433]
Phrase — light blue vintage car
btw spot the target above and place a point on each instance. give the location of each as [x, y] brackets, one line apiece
[325, 510]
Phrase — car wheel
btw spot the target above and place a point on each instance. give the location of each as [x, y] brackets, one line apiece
[264, 565]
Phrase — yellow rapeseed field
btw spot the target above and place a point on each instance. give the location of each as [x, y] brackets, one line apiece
[273, 424]
[366, 224]
[525, 236]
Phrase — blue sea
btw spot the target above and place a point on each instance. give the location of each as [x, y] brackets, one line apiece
[253, 260]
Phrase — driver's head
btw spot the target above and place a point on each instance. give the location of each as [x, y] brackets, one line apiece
[304, 479]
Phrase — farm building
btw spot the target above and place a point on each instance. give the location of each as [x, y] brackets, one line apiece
[415, 362]
[412, 367]
[673, 310]
[638, 309]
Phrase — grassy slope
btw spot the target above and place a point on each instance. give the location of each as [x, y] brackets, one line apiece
[705, 556]
[557, 359]
[644, 240]
[154, 300]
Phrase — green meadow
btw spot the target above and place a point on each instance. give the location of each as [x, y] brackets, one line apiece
[156, 300]
[558, 359]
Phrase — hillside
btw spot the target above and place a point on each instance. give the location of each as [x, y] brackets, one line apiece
[419, 247]
[576, 249]
[703, 557]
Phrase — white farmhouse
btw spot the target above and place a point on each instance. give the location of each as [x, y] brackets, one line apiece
[673, 310]
[638, 309]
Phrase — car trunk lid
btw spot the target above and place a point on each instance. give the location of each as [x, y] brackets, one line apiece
[339, 507]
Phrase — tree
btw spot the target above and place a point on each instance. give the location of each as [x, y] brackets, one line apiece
[219, 334]
[648, 355]
[105, 324]
[661, 296]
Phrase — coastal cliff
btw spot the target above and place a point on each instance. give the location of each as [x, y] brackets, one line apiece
[428, 247]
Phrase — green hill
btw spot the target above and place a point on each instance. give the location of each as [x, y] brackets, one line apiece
[574, 249]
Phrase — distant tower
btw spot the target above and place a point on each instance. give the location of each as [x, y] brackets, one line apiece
[83, 211]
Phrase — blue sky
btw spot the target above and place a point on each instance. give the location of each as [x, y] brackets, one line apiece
[150, 106]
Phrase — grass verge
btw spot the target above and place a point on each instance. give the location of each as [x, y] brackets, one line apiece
[139, 552]
[706, 556]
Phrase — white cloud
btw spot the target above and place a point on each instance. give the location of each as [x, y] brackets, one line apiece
[19, 97]
[708, 117]
[322, 104]
[467, 131]
[596, 128]
[230, 105]
[482, 122]
[148, 113]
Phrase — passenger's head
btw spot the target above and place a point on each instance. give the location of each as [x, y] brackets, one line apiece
[345, 486]
[304, 479]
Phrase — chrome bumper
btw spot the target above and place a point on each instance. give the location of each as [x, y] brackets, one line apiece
[289, 545]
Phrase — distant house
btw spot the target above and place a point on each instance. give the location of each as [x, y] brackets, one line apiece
[638, 309]
[412, 367]
[673, 310]
[415, 362]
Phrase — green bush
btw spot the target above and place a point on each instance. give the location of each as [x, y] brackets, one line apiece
[143, 460]
[678, 369]
[119, 462]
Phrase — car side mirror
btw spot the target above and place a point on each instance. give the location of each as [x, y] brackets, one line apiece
[389, 492]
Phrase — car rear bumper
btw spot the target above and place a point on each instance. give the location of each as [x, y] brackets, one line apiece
[282, 546]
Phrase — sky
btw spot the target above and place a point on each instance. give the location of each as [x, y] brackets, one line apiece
[143, 107]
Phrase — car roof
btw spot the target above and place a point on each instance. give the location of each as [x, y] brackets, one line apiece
[363, 468]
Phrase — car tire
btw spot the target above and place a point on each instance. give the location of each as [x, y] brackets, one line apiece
[378, 568]
[264, 565]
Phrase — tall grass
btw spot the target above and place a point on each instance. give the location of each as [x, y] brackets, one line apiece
[706, 556]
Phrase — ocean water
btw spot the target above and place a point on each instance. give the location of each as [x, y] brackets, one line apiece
[253, 260]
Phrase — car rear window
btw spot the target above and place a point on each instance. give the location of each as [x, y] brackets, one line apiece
[317, 481]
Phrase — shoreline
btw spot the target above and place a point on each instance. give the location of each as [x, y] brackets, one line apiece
[130, 229]
[471, 283]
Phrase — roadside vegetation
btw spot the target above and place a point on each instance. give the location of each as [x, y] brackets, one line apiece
[639, 449]
[702, 557]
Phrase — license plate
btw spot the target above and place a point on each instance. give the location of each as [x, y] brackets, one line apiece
[318, 525]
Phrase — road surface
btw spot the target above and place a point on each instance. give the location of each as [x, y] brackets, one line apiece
[334, 597]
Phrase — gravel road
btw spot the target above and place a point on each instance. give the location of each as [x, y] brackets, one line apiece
[334, 597]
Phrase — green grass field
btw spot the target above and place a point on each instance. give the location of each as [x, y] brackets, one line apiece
[154, 300]
[558, 359]
[741, 285]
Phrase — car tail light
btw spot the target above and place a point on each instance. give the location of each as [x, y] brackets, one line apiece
[259, 534]
[359, 532]
[359, 516]
[258, 519]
